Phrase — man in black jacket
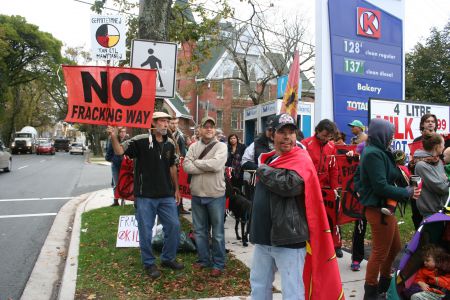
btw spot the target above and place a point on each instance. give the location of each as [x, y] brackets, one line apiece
[264, 142]
[279, 228]
[155, 189]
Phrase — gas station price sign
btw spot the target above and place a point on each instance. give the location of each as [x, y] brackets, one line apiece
[366, 58]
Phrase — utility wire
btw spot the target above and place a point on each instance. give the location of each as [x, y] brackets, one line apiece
[211, 10]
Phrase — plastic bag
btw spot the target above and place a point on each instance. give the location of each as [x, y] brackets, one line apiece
[185, 245]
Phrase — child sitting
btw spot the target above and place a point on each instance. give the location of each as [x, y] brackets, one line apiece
[400, 158]
[432, 281]
[447, 162]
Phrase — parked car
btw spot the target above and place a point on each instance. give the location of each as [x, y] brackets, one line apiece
[62, 144]
[45, 147]
[77, 148]
[5, 158]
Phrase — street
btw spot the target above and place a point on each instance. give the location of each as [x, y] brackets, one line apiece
[30, 197]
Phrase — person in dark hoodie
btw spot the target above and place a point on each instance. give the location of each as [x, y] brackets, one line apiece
[377, 174]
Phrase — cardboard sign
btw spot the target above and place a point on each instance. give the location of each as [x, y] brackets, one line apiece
[110, 96]
[127, 232]
[183, 184]
[406, 118]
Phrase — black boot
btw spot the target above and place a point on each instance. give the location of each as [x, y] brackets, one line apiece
[116, 202]
[370, 292]
[383, 286]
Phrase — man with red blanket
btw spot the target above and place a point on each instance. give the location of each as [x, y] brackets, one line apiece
[289, 226]
[322, 151]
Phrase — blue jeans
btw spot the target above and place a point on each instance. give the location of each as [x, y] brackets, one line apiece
[146, 211]
[209, 212]
[115, 176]
[289, 262]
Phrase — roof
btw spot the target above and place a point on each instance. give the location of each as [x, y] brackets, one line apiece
[208, 64]
[177, 105]
[277, 60]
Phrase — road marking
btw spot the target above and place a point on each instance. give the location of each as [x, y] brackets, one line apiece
[35, 199]
[28, 215]
[22, 167]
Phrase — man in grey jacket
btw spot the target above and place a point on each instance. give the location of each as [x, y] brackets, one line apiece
[205, 161]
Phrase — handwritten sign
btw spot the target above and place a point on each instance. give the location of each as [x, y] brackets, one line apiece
[127, 232]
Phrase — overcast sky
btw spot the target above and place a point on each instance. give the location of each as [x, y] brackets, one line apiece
[68, 20]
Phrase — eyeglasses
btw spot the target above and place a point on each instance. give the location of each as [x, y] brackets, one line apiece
[208, 127]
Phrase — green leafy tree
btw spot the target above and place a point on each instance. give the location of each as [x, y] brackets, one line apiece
[28, 59]
[428, 68]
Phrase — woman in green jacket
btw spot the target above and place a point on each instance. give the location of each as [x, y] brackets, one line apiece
[375, 184]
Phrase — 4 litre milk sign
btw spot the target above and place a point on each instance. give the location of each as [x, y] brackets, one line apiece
[406, 118]
[108, 35]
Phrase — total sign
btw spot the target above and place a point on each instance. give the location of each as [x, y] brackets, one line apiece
[366, 44]
[406, 118]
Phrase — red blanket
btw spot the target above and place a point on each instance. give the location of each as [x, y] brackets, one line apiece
[321, 273]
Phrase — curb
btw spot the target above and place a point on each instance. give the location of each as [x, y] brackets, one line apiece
[69, 277]
[45, 277]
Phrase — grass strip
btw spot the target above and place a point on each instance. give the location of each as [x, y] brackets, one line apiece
[107, 272]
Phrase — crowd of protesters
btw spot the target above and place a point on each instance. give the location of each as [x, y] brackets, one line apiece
[287, 207]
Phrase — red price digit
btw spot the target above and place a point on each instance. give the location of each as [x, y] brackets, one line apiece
[443, 124]
[438, 125]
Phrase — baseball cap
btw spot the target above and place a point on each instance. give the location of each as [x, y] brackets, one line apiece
[283, 120]
[160, 115]
[206, 119]
[356, 123]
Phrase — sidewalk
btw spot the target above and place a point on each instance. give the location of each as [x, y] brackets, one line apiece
[52, 278]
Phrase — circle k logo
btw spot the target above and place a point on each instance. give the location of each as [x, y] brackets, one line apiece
[369, 22]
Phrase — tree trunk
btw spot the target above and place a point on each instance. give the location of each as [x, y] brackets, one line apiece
[154, 25]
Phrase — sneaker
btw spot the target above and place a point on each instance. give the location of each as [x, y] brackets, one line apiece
[386, 211]
[216, 272]
[152, 271]
[355, 266]
[339, 252]
[174, 265]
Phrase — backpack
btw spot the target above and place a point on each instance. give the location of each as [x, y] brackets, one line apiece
[125, 186]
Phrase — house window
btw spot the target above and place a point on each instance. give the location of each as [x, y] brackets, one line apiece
[219, 119]
[237, 119]
[240, 89]
[217, 87]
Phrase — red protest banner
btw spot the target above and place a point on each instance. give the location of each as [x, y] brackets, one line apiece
[183, 184]
[110, 95]
[349, 209]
